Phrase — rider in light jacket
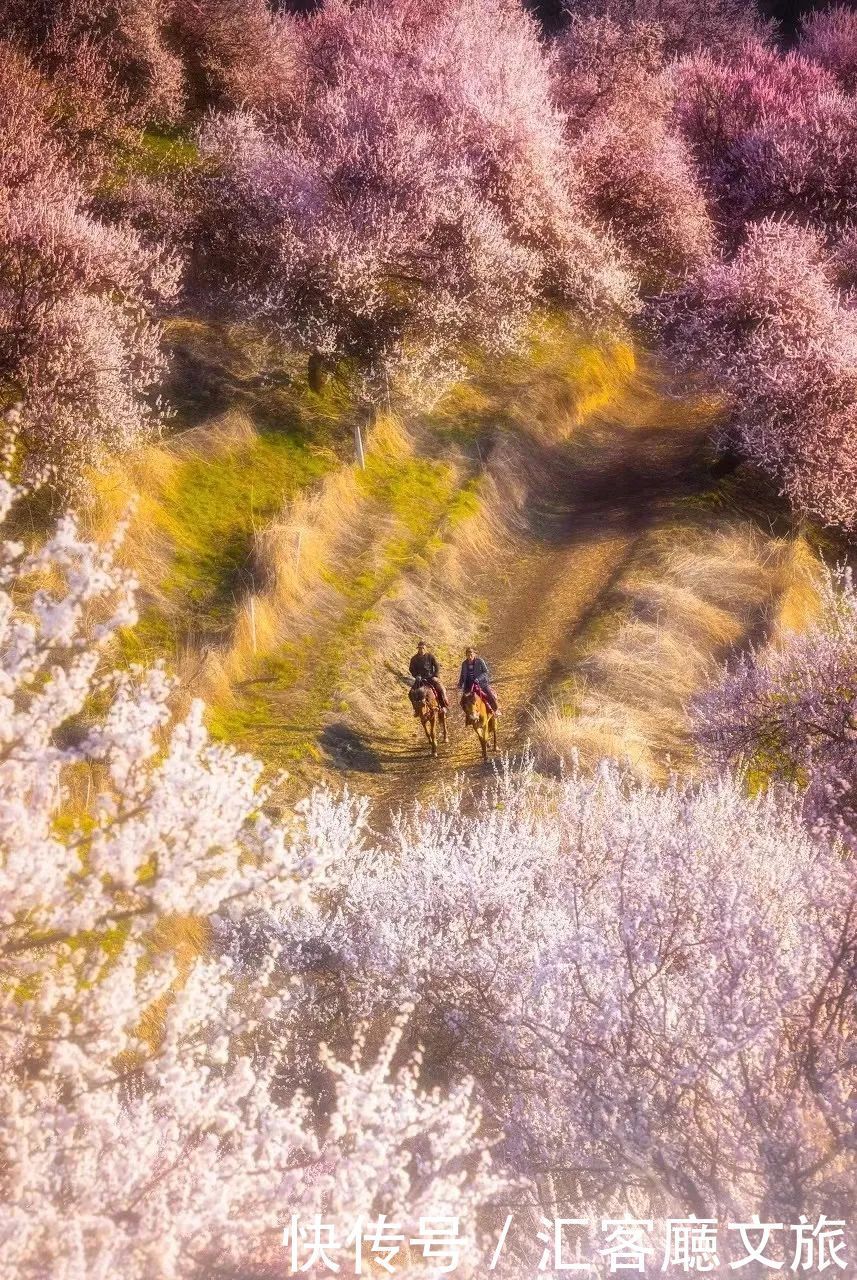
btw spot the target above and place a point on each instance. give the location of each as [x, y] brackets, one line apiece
[474, 670]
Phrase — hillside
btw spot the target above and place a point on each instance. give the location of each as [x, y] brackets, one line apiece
[558, 509]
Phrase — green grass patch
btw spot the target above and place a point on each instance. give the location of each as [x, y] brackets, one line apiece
[154, 153]
[210, 509]
[216, 505]
[280, 711]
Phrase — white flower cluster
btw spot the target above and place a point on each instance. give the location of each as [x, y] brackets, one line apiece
[146, 1129]
[587, 996]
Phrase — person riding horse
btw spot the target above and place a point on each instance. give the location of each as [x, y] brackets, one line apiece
[425, 669]
[474, 672]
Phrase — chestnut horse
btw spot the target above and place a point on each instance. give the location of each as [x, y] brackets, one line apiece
[478, 714]
[431, 713]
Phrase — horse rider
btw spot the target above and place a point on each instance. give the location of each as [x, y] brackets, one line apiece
[474, 671]
[425, 669]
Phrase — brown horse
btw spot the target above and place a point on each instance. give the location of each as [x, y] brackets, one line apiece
[431, 713]
[478, 714]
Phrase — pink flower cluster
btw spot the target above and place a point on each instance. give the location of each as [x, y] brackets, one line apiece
[790, 714]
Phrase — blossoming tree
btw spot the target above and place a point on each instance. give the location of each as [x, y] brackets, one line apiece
[790, 714]
[829, 36]
[633, 171]
[147, 1125]
[79, 330]
[772, 329]
[637, 997]
[683, 25]
[645, 983]
[418, 200]
[773, 135]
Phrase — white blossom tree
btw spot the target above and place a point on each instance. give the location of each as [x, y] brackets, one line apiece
[649, 986]
[148, 1127]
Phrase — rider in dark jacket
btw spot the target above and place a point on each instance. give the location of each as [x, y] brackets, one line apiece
[425, 667]
[474, 670]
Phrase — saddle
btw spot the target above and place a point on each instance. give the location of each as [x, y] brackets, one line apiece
[479, 692]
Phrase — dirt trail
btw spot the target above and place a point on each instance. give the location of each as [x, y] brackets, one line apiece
[602, 493]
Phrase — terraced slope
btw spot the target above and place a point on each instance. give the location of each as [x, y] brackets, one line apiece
[558, 510]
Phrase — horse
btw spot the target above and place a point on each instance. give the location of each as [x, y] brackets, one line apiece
[431, 713]
[478, 714]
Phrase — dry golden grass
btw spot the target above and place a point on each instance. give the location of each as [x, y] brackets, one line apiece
[694, 596]
[339, 579]
[293, 554]
[142, 488]
[301, 557]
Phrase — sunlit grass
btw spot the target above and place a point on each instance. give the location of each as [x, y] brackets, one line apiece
[152, 153]
[280, 708]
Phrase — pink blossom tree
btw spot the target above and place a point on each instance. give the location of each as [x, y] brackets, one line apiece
[79, 334]
[683, 25]
[772, 330]
[140, 71]
[773, 135]
[155, 60]
[829, 36]
[790, 713]
[236, 53]
[418, 200]
[633, 171]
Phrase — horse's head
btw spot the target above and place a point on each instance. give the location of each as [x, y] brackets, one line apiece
[470, 706]
[419, 694]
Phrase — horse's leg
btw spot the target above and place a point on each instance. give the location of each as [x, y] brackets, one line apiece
[433, 735]
[442, 715]
[425, 722]
[483, 739]
[494, 731]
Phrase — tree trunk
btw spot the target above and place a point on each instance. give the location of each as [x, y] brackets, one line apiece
[727, 461]
[316, 372]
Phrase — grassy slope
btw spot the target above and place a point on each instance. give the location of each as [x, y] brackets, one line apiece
[202, 496]
[286, 585]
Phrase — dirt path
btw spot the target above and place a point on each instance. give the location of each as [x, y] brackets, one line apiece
[607, 488]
